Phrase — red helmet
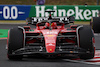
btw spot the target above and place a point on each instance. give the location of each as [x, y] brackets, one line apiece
[47, 24]
[54, 25]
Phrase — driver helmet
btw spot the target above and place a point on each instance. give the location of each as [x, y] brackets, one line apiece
[54, 25]
[47, 24]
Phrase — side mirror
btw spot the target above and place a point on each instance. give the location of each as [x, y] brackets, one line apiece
[29, 20]
[71, 19]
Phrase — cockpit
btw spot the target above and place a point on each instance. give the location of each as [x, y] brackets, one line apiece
[45, 24]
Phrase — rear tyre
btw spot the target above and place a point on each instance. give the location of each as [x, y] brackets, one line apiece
[86, 42]
[15, 41]
[95, 23]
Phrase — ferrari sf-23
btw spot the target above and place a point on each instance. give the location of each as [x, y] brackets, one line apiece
[52, 37]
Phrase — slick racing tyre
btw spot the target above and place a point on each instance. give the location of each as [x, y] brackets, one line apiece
[96, 24]
[15, 41]
[86, 42]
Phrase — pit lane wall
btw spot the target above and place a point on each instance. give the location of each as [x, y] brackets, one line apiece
[21, 12]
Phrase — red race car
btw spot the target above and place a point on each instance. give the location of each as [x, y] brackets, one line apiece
[52, 37]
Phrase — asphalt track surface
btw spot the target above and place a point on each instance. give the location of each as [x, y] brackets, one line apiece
[37, 62]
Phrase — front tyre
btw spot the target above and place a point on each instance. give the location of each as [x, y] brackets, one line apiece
[15, 41]
[86, 42]
[95, 23]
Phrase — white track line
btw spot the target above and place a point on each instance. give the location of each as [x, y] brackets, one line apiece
[82, 61]
[94, 61]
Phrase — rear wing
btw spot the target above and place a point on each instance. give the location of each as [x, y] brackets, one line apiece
[35, 20]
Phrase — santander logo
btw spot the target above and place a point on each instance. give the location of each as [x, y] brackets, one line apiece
[51, 32]
[50, 44]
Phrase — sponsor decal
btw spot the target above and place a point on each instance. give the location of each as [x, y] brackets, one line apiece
[21, 12]
[50, 41]
[51, 32]
[50, 35]
[11, 12]
[50, 44]
[79, 13]
[14, 12]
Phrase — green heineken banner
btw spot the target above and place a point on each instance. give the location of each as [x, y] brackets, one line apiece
[83, 13]
[21, 12]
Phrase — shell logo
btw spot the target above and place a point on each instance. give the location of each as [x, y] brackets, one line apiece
[50, 35]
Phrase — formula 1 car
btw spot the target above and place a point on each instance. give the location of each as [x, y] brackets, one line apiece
[51, 38]
[95, 24]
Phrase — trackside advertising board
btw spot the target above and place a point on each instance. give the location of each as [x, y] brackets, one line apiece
[14, 12]
[21, 12]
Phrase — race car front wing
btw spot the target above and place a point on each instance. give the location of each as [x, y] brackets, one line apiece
[42, 50]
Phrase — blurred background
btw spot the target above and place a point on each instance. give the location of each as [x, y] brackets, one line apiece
[50, 2]
[82, 10]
